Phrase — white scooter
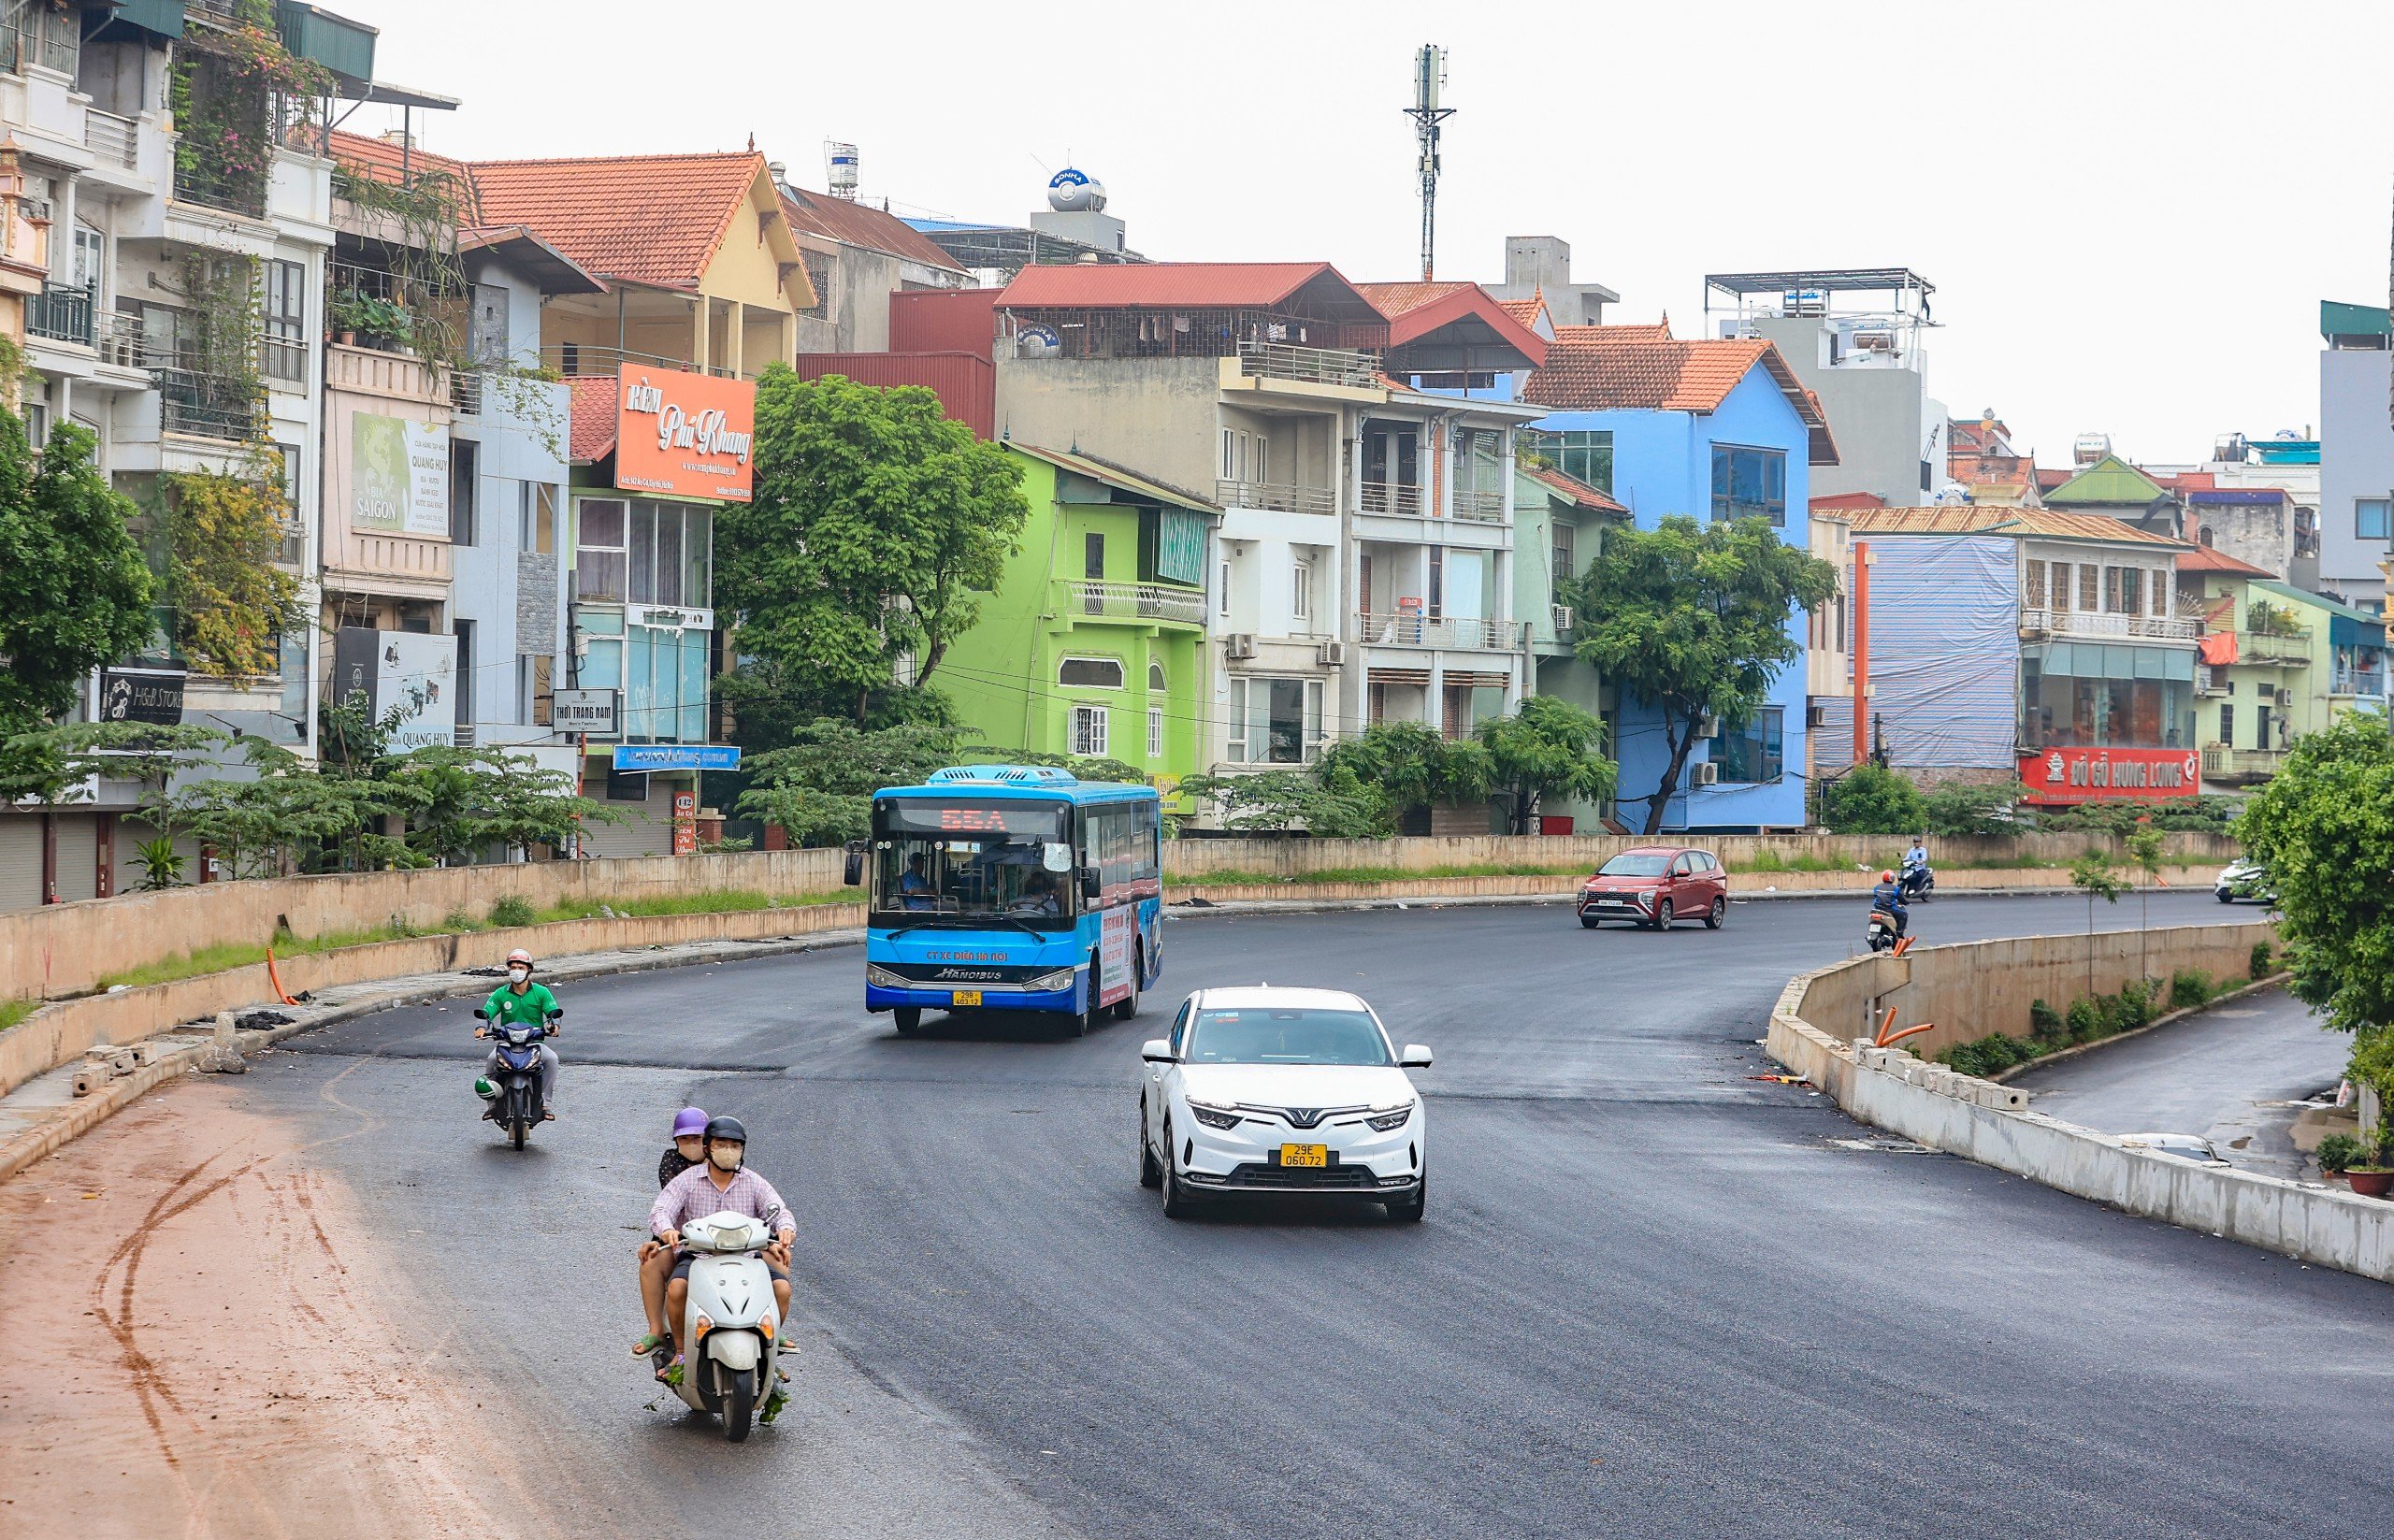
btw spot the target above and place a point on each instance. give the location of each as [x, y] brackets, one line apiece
[729, 1334]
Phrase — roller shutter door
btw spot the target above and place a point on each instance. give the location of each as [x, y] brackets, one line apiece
[78, 855]
[20, 861]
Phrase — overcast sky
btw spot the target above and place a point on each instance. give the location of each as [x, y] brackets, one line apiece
[2130, 209]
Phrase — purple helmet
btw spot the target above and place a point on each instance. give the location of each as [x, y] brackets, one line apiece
[689, 1123]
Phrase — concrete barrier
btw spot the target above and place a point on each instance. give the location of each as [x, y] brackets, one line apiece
[1891, 1090]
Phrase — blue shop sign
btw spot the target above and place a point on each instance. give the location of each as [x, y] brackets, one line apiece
[677, 757]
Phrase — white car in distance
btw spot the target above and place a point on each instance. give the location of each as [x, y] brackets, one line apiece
[1263, 1090]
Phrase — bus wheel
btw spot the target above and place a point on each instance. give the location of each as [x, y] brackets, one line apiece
[908, 1018]
[1126, 1009]
[1092, 1014]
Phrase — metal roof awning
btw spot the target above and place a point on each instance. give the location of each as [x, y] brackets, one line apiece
[383, 94]
[1828, 280]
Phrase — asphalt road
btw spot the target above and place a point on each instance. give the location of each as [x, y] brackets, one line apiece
[1653, 1296]
[2233, 1072]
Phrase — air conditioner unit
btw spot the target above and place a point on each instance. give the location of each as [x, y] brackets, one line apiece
[1816, 716]
[1707, 727]
[1332, 654]
[1239, 645]
[1703, 773]
[1562, 618]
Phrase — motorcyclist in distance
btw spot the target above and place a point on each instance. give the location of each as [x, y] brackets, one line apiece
[1888, 899]
[1915, 865]
[520, 1002]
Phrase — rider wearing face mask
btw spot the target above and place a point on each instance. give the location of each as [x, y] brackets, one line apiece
[521, 1003]
[723, 1183]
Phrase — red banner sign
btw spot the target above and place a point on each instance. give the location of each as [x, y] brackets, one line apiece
[2110, 775]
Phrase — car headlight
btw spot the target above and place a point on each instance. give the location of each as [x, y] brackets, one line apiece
[1646, 900]
[1060, 979]
[885, 978]
[1215, 1118]
[1387, 1120]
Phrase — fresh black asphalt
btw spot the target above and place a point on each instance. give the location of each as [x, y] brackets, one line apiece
[1655, 1296]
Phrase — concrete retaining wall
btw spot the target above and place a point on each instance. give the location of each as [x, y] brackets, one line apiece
[2033, 879]
[1889, 1089]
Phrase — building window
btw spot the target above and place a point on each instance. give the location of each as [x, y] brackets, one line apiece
[2032, 589]
[1089, 730]
[2132, 590]
[1584, 456]
[540, 670]
[464, 488]
[1090, 673]
[1155, 732]
[2061, 585]
[1274, 721]
[539, 514]
[819, 277]
[1155, 675]
[1094, 555]
[1752, 755]
[1301, 590]
[2371, 519]
[1226, 591]
[1564, 568]
[672, 551]
[599, 550]
[1749, 483]
[2089, 576]
[2227, 724]
[283, 345]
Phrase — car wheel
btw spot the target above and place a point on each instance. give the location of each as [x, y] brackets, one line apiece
[1589, 922]
[1127, 1009]
[2226, 898]
[1663, 915]
[1409, 1212]
[1719, 913]
[908, 1019]
[1150, 1174]
[1178, 1204]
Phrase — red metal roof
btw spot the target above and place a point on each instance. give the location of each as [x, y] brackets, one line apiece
[592, 434]
[1194, 285]
[965, 383]
[1837, 501]
[1395, 299]
[854, 224]
[1572, 488]
[385, 161]
[1644, 369]
[1422, 309]
[2202, 559]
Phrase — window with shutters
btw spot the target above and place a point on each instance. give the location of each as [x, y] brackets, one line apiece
[2089, 599]
[2033, 595]
[1155, 732]
[1089, 730]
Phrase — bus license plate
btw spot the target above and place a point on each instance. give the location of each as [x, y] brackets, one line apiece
[965, 997]
[1305, 1155]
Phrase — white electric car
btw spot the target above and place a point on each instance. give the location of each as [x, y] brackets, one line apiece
[1265, 1091]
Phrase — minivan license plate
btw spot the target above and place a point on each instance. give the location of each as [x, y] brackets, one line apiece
[1305, 1155]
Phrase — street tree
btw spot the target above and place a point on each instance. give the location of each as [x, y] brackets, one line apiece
[1867, 800]
[876, 526]
[2324, 826]
[1548, 748]
[1693, 620]
[1411, 765]
[73, 592]
[1330, 801]
[819, 788]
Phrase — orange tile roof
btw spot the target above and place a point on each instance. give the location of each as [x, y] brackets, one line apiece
[385, 161]
[854, 224]
[1526, 311]
[1395, 299]
[1998, 518]
[1573, 488]
[1644, 369]
[646, 219]
[592, 433]
[1840, 500]
[2202, 559]
[1189, 284]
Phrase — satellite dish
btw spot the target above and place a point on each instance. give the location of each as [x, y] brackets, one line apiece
[1071, 191]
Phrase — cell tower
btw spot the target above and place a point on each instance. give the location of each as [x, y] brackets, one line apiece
[1429, 77]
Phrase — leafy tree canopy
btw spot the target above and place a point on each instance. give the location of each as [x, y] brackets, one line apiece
[2324, 825]
[1867, 800]
[74, 593]
[820, 788]
[1548, 748]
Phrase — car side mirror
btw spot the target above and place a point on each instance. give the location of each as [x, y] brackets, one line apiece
[1415, 1056]
[1156, 1050]
[480, 1014]
[852, 874]
[1091, 887]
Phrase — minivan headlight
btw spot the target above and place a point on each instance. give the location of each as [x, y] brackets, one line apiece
[1215, 1118]
[1383, 1122]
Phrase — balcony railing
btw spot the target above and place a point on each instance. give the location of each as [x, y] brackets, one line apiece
[2360, 681]
[465, 393]
[1480, 506]
[2086, 623]
[1278, 496]
[1141, 603]
[2274, 647]
[1393, 498]
[1477, 635]
[206, 406]
[2221, 764]
[115, 140]
[60, 314]
[217, 187]
[118, 337]
[583, 358]
[1312, 366]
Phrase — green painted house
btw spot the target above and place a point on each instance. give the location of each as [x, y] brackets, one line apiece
[2118, 490]
[2277, 663]
[1558, 522]
[1093, 643]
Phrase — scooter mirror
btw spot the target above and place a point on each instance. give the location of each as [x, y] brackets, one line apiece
[480, 1014]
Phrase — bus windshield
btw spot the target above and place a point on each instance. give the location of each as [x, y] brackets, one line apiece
[970, 860]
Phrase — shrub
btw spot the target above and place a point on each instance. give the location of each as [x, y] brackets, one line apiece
[510, 912]
[2262, 965]
[1966, 811]
[2136, 1004]
[2085, 1020]
[2045, 1022]
[458, 921]
[1869, 800]
[2188, 989]
[2339, 1152]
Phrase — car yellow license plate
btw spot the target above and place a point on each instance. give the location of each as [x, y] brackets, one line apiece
[965, 997]
[1305, 1155]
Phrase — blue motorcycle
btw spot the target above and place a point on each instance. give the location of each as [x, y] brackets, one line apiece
[514, 1104]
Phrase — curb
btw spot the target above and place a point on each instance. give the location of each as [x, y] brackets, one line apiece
[2079, 1049]
[1183, 909]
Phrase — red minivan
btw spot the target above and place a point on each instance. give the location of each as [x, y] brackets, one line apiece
[1657, 885]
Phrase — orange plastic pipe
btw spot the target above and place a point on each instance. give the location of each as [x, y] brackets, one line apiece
[1909, 1031]
[1879, 1040]
[275, 978]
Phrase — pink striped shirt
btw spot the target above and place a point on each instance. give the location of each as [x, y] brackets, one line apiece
[693, 1195]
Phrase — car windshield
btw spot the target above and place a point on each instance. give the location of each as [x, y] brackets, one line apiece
[1634, 865]
[1287, 1035]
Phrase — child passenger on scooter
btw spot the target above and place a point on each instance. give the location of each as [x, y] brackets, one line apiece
[690, 1148]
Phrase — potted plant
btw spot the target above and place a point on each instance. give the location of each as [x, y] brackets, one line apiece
[2339, 1153]
[2373, 1175]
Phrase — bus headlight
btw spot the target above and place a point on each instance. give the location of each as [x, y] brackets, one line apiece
[885, 978]
[1047, 983]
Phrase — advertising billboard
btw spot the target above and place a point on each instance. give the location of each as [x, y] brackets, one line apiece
[685, 435]
[398, 475]
[2076, 774]
[400, 668]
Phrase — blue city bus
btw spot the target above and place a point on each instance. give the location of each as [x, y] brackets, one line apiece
[1010, 888]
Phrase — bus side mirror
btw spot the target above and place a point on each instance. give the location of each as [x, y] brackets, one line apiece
[852, 874]
[1090, 886]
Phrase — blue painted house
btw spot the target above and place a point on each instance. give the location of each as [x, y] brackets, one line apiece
[1717, 429]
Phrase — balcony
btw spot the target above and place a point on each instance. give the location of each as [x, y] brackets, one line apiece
[220, 188]
[2293, 649]
[2231, 766]
[2107, 627]
[584, 358]
[1480, 506]
[1131, 603]
[115, 140]
[206, 406]
[371, 372]
[60, 314]
[1276, 497]
[2366, 682]
[1402, 497]
[465, 393]
[1308, 365]
[1448, 633]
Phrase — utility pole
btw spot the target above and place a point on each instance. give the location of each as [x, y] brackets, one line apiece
[1429, 77]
